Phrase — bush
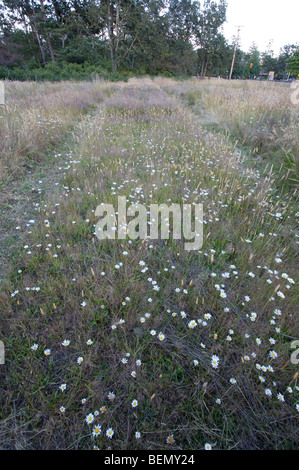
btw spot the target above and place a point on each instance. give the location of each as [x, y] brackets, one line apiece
[57, 71]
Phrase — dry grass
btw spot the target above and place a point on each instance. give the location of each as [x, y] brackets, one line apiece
[260, 116]
[144, 143]
[37, 115]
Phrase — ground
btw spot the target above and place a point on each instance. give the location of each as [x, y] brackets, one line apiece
[141, 344]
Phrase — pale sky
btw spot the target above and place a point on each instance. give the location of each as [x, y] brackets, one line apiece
[262, 21]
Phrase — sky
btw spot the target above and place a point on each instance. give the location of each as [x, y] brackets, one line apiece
[262, 21]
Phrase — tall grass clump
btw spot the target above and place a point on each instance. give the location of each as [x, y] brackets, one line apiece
[259, 116]
[37, 115]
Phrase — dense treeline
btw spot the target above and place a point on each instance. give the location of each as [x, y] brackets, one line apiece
[61, 39]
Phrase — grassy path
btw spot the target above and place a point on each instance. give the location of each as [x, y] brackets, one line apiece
[38, 125]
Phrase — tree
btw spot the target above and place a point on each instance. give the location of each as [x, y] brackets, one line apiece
[293, 63]
[182, 16]
[211, 18]
[253, 66]
[122, 21]
[30, 14]
[172, 37]
[278, 64]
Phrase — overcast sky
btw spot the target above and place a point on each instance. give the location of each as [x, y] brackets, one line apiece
[263, 20]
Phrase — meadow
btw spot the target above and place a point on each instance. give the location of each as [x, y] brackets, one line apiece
[140, 344]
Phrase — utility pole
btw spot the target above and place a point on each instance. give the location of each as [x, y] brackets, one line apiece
[234, 56]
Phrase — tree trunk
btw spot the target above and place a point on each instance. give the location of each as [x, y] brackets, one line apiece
[49, 42]
[206, 66]
[35, 32]
[50, 47]
[111, 36]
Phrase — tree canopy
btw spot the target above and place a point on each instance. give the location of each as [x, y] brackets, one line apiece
[57, 38]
